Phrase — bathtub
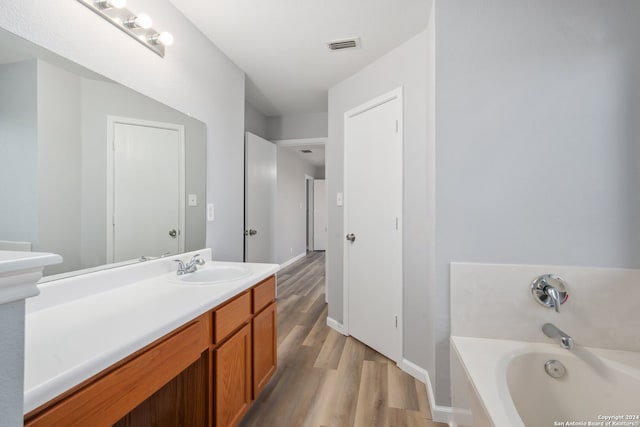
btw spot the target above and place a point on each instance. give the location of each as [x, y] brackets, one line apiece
[600, 387]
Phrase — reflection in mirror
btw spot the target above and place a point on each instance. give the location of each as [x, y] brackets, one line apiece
[90, 169]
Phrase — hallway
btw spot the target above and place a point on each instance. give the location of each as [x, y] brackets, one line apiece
[325, 378]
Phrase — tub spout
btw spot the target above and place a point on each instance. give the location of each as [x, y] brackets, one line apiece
[552, 332]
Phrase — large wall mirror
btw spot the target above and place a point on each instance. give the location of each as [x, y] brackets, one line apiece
[92, 170]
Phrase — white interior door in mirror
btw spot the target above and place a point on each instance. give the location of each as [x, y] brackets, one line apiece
[148, 189]
[260, 199]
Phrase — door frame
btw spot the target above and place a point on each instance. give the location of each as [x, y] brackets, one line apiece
[112, 121]
[308, 183]
[382, 99]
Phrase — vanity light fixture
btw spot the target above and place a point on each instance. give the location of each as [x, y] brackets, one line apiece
[138, 26]
[110, 4]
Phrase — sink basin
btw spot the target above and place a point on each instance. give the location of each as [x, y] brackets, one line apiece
[214, 274]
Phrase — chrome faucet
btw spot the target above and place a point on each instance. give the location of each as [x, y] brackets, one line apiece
[552, 332]
[553, 293]
[550, 291]
[189, 267]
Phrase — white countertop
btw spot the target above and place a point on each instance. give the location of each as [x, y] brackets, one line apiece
[68, 342]
[18, 260]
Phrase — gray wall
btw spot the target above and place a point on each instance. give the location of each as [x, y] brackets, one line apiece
[291, 228]
[194, 77]
[101, 99]
[319, 172]
[297, 126]
[405, 66]
[432, 315]
[12, 319]
[254, 121]
[59, 171]
[537, 138]
[18, 152]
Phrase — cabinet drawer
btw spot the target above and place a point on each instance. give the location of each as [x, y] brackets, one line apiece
[231, 316]
[264, 293]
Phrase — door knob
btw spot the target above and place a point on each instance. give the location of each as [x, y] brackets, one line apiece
[351, 237]
[250, 232]
[173, 233]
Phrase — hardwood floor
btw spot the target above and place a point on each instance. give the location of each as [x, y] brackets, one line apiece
[325, 379]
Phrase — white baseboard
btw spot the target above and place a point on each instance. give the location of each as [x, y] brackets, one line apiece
[442, 414]
[414, 370]
[292, 260]
[334, 324]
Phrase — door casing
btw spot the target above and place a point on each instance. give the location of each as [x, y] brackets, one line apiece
[320, 235]
[308, 186]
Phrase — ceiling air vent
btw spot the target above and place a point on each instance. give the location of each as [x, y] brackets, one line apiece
[344, 44]
[306, 151]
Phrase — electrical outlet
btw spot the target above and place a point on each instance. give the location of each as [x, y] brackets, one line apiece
[211, 213]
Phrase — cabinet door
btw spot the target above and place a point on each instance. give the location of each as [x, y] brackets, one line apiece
[265, 350]
[233, 378]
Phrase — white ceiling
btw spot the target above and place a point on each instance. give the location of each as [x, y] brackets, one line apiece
[315, 158]
[281, 44]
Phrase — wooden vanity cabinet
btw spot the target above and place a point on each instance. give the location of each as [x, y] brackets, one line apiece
[244, 363]
[205, 373]
[108, 396]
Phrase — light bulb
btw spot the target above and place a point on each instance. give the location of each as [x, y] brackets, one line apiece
[165, 38]
[143, 21]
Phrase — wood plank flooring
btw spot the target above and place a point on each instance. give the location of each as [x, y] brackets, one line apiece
[325, 379]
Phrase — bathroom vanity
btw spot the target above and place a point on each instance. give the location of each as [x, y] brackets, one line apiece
[151, 350]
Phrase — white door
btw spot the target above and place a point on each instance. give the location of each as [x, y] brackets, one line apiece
[260, 199]
[319, 215]
[146, 189]
[373, 224]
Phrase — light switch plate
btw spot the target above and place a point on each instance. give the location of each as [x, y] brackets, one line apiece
[339, 199]
[193, 200]
[211, 213]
